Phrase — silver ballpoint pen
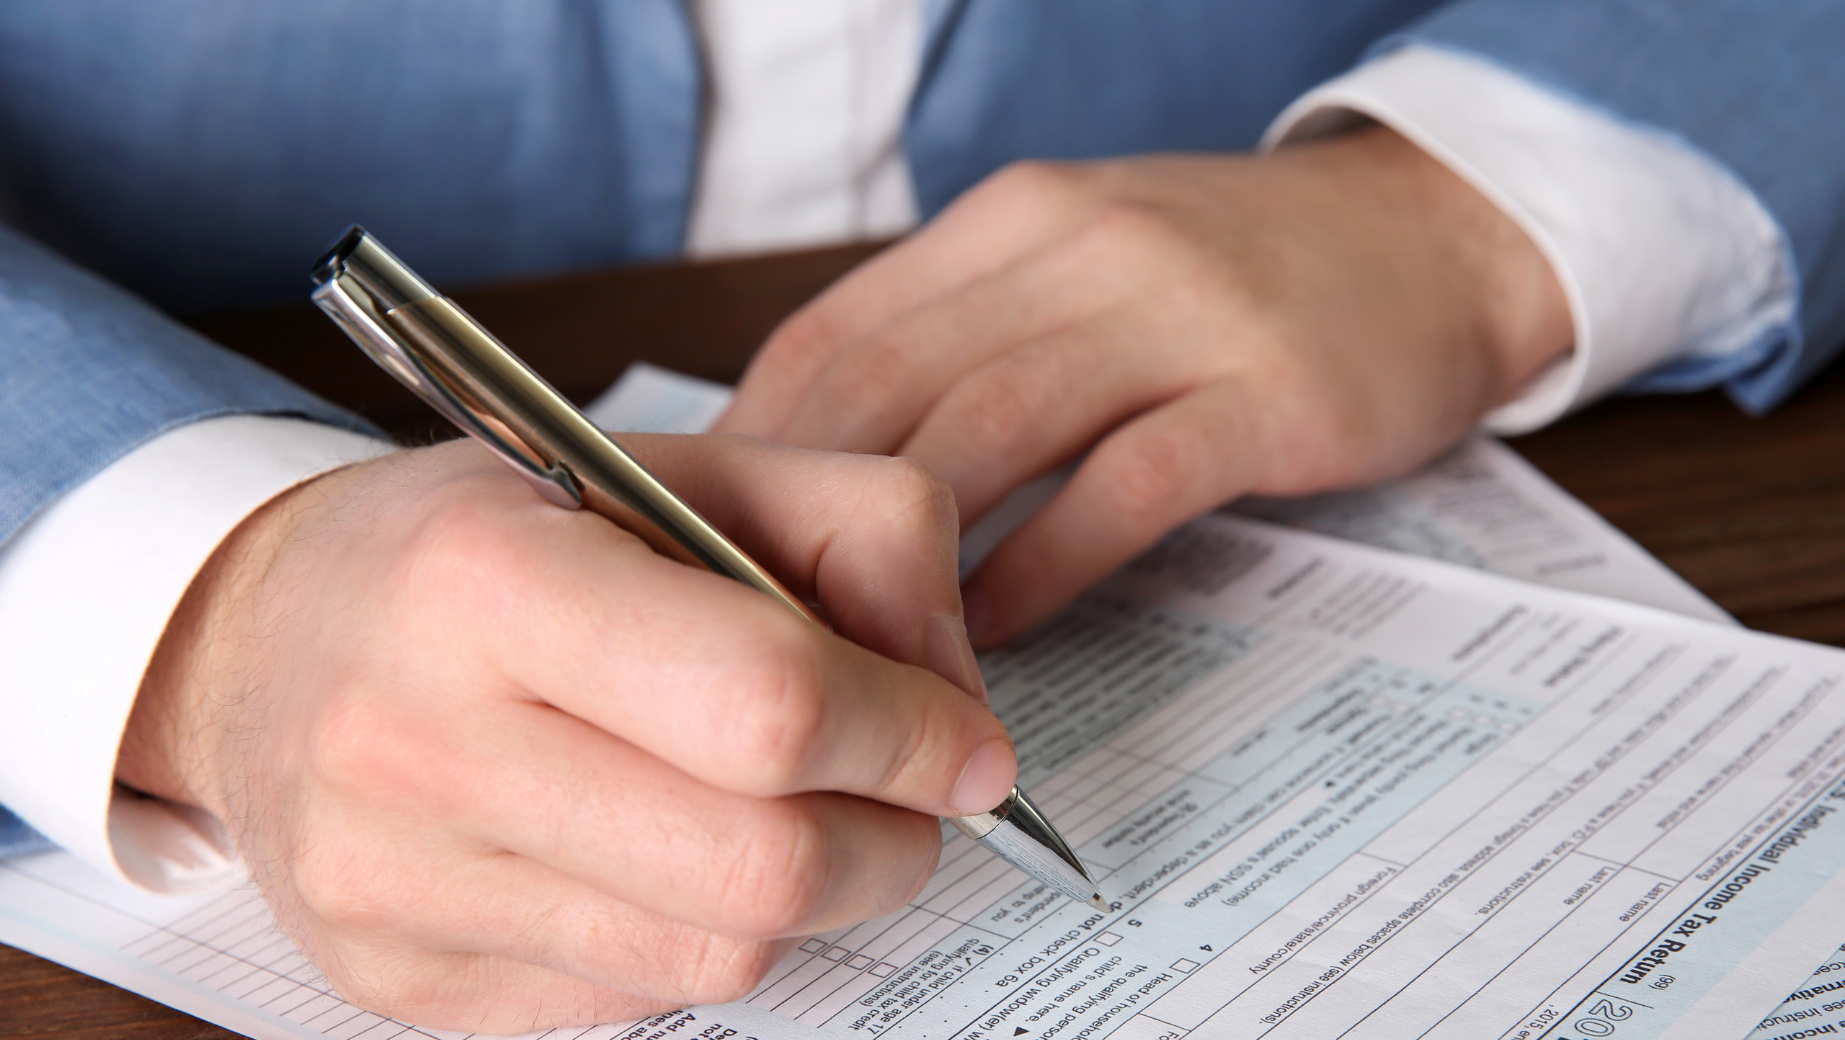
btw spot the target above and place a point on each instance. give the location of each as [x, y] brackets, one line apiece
[459, 368]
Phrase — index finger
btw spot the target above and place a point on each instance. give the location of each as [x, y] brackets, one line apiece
[1005, 217]
[874, 539]
[1152, 474]
[725, 684]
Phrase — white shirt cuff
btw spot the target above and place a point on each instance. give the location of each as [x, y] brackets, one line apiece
[86, 588]
[1662, 253]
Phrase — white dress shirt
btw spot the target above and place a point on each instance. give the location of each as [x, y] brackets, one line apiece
[1662, 254]
[804, 141]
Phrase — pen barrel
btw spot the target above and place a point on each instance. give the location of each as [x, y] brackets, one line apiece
[528, 411]
[1019, 833]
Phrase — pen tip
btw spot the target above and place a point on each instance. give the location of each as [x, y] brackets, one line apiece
[1099, 903]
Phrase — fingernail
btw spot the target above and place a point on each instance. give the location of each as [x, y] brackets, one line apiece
[951, 656]
[978, 609]
[987, 778]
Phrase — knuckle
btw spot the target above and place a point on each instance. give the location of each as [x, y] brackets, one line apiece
[993, 413]
[726, 970]
[869, 372]
[1034, 182]
[358, 749]
[1312, 430]
[776, 720]
[455, 525]
[466, 543]
[404, 984]
[1136, 232]
[357, 978]
[1157, 471]
[345, 894]
[804, 338]
[779, 875]
[928, 734]
[915, 496]
[354, 748]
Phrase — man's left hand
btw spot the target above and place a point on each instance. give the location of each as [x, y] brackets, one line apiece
[1199, 327]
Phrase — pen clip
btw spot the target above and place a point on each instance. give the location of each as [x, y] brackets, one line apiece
[460, 369]
[346, 300]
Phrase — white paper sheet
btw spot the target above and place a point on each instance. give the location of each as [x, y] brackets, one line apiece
[1274, 745]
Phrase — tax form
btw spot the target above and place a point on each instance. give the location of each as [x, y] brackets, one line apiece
[1330, 791]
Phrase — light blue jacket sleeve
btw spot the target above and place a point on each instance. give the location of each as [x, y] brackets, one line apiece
[1755, 85]
[201, 154]
[88, 372]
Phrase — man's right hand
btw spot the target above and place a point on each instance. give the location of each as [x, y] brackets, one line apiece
[498, 766]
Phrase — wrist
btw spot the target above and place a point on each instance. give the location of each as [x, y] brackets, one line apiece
[175, 731]
[1494, 271]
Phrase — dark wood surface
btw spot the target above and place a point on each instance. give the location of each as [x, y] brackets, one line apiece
[1751, 511]
[580, 330]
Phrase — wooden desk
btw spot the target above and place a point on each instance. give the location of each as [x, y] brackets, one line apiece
[1751, 511]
